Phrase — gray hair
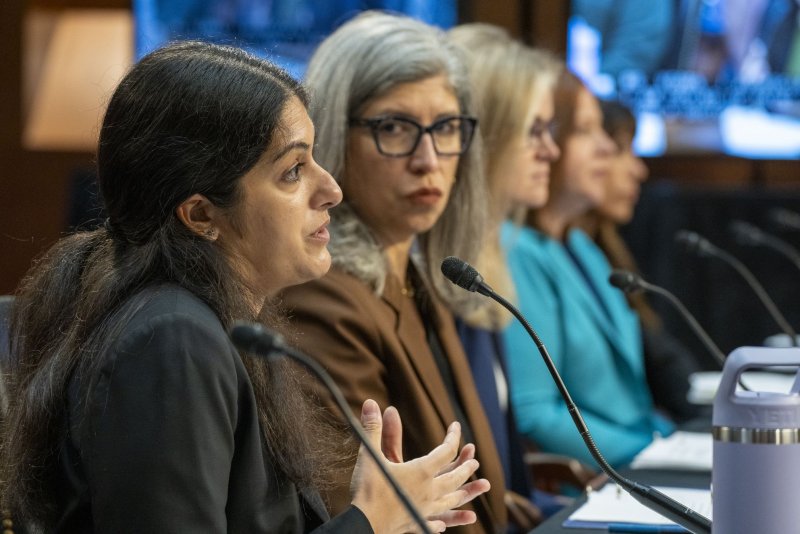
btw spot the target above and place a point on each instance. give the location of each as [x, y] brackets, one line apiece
[362, 60]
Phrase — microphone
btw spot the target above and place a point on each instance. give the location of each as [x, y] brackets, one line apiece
[465, 276]
[786, 219]
[699, 245]
[632, 283]
[750, 235]
[256, 339]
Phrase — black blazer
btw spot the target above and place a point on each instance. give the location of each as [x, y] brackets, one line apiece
[171, 440]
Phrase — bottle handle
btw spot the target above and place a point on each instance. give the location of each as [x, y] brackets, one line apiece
[747, 358]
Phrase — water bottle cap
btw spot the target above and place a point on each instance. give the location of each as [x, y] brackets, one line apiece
[759, 412]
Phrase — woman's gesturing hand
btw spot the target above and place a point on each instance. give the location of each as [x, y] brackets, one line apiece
[437, 483]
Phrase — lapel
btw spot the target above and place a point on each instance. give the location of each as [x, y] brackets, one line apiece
[411, 333]
[412, 336]
[486, 451]
[314, 501]
[611, 319]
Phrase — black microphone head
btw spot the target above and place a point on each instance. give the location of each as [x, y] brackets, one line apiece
[695, 243]
[461, 273]
[245, 335]
[745, 233]
[626, 281]
[252, 337]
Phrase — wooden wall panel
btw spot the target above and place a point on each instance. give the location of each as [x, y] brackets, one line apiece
[87, 54]
[706, 170]
[545, 24]
[33, 184]
[504, 13]
[33, 204]
[10, 68]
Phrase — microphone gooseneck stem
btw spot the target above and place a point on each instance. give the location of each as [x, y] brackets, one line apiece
[782, 247]
[786, 219]
[709, 344]
[631, 283]
[278, 348]
[750, 235]
[693, 324]
[649, 497]
[577, 418]
[762, 294]
[465, 276]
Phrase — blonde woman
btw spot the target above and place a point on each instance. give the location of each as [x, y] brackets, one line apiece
[513, 86]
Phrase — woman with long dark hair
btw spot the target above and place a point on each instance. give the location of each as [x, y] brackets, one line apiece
[668, 363]
[130, 410]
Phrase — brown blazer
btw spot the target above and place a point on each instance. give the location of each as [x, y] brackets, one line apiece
[375, 347]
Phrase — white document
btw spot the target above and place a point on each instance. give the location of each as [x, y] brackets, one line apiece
[690, 451]
[613, 505]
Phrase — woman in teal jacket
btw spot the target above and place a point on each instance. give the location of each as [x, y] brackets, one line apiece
[562, 286]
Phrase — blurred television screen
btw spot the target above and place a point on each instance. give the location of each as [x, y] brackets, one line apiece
[284, 31]
[702, 76]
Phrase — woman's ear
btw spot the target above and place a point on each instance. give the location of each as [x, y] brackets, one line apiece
[200, 216]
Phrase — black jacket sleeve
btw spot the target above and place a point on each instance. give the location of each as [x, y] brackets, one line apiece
[171, 442]
[160, 439]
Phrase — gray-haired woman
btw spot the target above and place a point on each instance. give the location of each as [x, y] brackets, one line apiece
[393, 115]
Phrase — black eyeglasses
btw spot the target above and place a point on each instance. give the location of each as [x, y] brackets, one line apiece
[398, 136]
[541, 129]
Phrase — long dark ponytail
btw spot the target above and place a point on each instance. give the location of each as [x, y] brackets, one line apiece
[189, 118]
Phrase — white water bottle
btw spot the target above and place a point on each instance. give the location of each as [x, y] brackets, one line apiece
[755, 478]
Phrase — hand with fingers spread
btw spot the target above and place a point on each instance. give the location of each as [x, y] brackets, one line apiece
[437, 483]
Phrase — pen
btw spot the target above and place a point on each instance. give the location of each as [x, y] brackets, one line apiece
[639, 528]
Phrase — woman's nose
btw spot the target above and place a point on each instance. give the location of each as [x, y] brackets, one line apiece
[328, 193]
[605, 145]
[424, 158]
[549, 150]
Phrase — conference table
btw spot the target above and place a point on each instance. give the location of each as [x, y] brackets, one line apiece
[653, 477]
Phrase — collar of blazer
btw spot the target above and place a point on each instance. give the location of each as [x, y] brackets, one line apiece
[613, 316]
[411, 332]
[355, 250]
